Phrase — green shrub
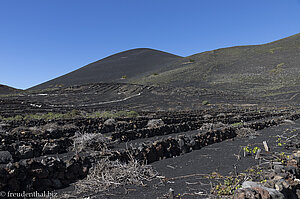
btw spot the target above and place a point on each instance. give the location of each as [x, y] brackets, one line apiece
[106, 114]
[18, 117]
[132, 114]
[205, 102]
[237, 124]
[70, 115]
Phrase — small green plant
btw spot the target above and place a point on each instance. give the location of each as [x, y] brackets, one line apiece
[237, 124]
[130, 114]
[255, 149]
[155, 74]
[124, 77]
[274, 49]
[250, 151]
[18, 117]
[263, 181]
[279, 142]
[277, 69]
[256, 173]
[282, 157]
[205, 102]
[247, 149]
[229, 185]
[191, 60]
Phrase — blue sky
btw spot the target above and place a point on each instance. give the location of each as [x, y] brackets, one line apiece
[43, 39]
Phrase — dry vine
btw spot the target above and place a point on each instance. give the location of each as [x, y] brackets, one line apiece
[108, 174]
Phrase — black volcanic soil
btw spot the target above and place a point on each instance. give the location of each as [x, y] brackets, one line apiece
[202, 101]
[5, 90]
[120, 67]
[37, 144]
[268, 72]
[186, 174]
[119, 96]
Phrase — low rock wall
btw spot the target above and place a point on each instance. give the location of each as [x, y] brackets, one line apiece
[175, 146]
[42, 175]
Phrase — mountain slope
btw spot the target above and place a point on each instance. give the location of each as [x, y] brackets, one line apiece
[5, 90]
[119, 67]
[261, 70]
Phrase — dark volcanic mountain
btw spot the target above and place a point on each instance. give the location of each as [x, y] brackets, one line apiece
[270, 70]
[4, 90]
[120, 67]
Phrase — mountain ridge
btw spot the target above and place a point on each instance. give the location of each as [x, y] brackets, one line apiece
[261, 70]
[118, 67]
[264, 70]
[5, 90]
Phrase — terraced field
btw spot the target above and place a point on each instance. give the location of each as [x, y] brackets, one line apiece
[51, 154]
[115, 96]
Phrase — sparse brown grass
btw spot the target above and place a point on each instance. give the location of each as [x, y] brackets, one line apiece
[95, 140]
